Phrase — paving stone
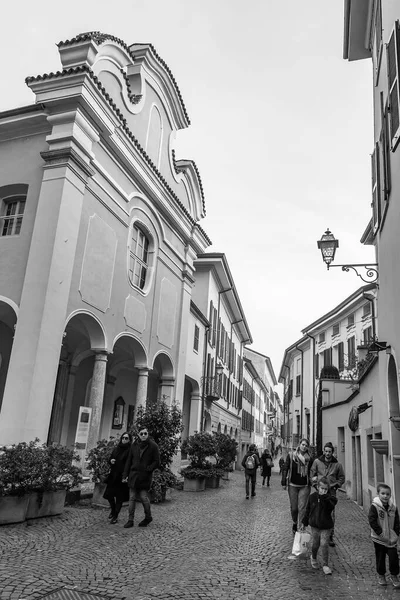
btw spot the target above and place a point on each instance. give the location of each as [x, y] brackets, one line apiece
[210, 545]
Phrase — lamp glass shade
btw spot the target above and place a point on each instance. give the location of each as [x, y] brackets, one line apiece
[328, 244]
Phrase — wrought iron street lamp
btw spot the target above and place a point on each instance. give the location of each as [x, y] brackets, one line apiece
[328, 244]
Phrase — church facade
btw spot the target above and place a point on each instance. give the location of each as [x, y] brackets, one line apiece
[99, 233]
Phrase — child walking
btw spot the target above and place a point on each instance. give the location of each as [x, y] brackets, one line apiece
[383, 518]
[319, 515]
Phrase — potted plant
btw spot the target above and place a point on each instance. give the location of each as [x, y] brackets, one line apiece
[54, 472]
[226, 453]
[164, 424]
[198, 447]
[16, 465]
[99, 466]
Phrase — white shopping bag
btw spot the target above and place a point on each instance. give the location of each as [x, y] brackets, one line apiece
[300, 543]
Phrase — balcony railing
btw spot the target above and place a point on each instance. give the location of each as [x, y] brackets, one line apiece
[212, 388]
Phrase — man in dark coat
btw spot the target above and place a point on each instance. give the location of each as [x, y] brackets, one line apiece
[143, 458]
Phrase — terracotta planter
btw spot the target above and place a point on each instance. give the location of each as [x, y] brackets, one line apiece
[194, 485]
[46, 504]
[97, 499]
[212, 482]
[13, 509]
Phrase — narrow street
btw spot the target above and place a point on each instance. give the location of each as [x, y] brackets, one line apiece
[214, 544]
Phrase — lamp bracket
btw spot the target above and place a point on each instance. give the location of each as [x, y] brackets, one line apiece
[371, 272]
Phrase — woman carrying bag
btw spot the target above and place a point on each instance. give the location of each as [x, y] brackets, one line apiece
[266, 466]
[117, 492]
[296, 477]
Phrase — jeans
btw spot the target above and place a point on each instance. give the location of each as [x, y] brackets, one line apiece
[380, 556]
[298, 497]
[138, 496]
[251, 477]
[320, 539]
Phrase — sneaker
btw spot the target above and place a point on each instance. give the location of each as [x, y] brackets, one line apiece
[327, 570]
[247, 497]
[395, 581]
[332, 543]
[110, 516]
[382, 580]
[145, 521]
[253, 495]
[113, 521]
[314, 563]
[128, 524]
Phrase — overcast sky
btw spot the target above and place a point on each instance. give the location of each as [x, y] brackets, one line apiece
[281, 133]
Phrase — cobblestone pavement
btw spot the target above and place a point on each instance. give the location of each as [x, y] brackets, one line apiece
[213, 544]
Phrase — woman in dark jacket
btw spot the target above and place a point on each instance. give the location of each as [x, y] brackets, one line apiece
[266, 466]
[117, 492]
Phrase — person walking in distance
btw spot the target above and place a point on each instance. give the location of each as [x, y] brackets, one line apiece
[250, 463]
[266, 466]
[319, 515]
[143, 458]
[296, 477]
[116, 491]
[384, 521]
[328, 466]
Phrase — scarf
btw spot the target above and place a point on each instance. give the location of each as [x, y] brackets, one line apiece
[301, 461]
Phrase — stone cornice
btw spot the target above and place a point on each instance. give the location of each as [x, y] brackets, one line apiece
[60, 156]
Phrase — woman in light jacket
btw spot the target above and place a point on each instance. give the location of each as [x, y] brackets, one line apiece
[296, 477]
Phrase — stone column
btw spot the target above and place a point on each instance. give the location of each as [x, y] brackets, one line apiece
[68, 405]
[166, 390]
[108, 408]
[195, 412]
[57, 413]
[96, 397]
[141, 392]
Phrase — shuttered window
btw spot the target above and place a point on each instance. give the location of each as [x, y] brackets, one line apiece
[384, 154]
[393, 83]
[376, 192]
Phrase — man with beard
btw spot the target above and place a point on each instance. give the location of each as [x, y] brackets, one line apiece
[143, 458]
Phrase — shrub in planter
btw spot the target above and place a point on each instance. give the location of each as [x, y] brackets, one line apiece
[16, 464]
[226, 451]
[199, 447]
[98, 459]
[54, 473]
[164, 424]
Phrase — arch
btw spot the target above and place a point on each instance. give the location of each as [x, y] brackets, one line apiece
[142, 233]
[93, 327]
[134, 347]
[162, 363]
[154, 136]
[10, 303]
[393, 388]
[195, 385]
[219, 428]
[226, 430]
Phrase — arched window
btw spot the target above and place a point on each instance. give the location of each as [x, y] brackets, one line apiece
[12, 211]
[139, 257]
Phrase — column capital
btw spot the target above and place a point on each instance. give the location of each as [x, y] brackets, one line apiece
[101, 355]
[143, 370]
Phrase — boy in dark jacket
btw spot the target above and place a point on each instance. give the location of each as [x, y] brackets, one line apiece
[250, 463]
[383, 518]
[319, 515]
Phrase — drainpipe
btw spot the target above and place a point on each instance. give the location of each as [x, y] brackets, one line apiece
[313, 387]
[301, 390]
[284, 412]
[203, 391]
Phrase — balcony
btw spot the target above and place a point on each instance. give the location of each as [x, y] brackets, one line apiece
[212, 388]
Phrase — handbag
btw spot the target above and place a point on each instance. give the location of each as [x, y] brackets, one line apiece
[269, 462]
[300, 543]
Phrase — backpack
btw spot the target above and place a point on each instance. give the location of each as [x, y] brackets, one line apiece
[250, 462]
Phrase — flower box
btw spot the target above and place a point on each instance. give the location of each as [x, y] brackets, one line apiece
[13, 509]
[45, 504]
[212, 482]
[194, 485]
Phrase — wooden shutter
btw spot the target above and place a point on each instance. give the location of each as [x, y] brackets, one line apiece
[384, 148]
[393, 84]
[376, 191]
[341, 356]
